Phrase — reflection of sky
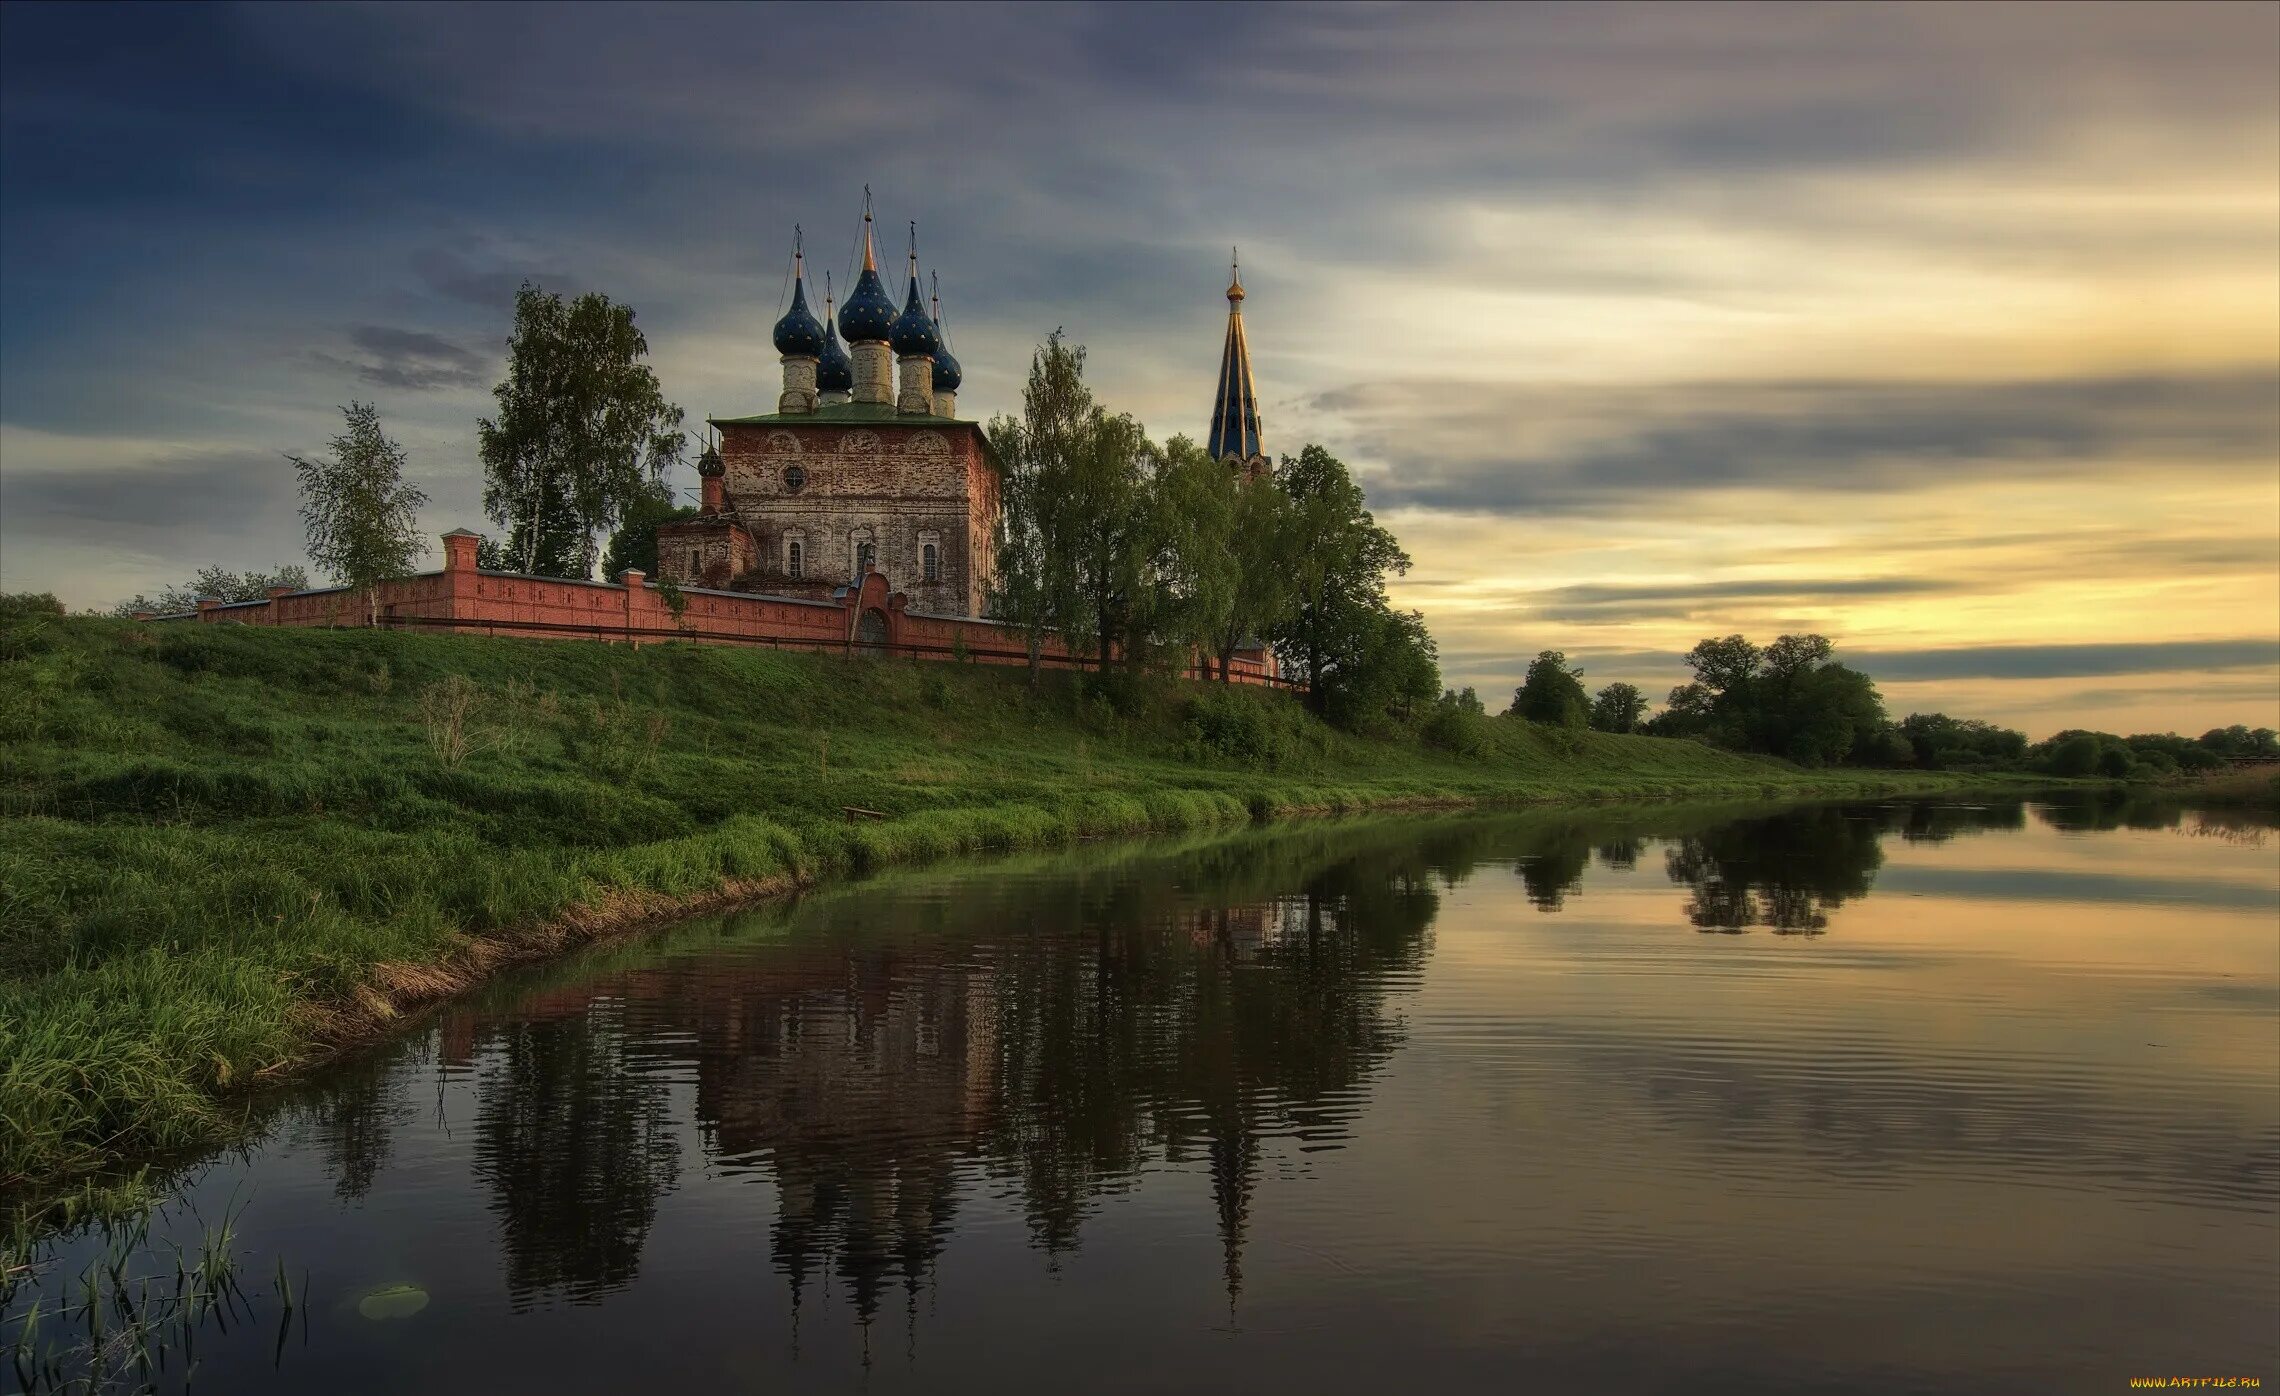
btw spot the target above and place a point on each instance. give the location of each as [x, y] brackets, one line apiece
[1947, 331]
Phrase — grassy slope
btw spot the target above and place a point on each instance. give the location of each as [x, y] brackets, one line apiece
[226, 847]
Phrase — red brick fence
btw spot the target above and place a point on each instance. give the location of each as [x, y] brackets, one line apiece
[861, 619]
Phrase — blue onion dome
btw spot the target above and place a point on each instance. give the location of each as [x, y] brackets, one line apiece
[947, 374]
[834, 371]
[913, 331]
[799, 333]
[868, 314]
[710, 463]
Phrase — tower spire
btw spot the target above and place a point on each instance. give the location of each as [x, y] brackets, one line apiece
[870, 263]
[1235, 433]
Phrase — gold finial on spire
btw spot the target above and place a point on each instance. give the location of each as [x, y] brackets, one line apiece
[870, 263]
[1234, 275]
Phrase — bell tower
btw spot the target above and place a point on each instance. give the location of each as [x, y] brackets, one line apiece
[1235, 435]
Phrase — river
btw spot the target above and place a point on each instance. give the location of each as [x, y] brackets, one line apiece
[1907, 1097]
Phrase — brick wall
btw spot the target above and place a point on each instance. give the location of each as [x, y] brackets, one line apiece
[466, 600]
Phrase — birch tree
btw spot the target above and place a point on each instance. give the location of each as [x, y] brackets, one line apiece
[583, 431]
[361, 515]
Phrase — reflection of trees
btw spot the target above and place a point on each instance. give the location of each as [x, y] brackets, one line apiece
[1555, 867]
[1787, 871]
[1929, 823]
[352, 1124]
[576, 1144]
[1047, 1039]
[2096, 811]
[1059, 1035]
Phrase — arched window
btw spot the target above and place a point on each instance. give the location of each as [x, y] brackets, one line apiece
[795, 559]
[929, 563]
[866, 560]
[696, 563]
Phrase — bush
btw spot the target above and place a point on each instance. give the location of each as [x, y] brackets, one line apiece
[17, 605]
[1248, 729]
[1457, 724]
[27, 623]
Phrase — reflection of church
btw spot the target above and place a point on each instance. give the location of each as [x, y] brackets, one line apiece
[865, 465]
[1058, 1051]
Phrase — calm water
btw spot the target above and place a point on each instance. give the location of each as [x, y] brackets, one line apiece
[1875, 1097]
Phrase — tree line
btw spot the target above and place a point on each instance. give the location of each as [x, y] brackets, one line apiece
[1793, 699]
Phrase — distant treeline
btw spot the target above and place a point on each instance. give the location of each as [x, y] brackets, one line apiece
[1793, 699]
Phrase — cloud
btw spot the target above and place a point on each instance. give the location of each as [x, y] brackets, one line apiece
[2063, 661]
[408, 359]
[1601, 603]
[219, 490]
[1563, 449]
[484, 280]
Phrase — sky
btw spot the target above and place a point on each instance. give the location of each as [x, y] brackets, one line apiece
[1950, 332]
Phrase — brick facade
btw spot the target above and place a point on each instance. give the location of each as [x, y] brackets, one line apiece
[834, 485]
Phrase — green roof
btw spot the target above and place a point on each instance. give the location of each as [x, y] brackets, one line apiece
[842, 414]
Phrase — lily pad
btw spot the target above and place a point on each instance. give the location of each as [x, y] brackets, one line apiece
[393, 1301]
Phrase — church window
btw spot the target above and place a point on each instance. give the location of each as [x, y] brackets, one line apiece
[795, 479]
[866, 560]
[696, 563]
[795, 561]
[929, 563]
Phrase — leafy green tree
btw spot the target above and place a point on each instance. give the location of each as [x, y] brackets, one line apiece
[2070, 753]
[582, 430]
[1112, 531]
[635, 542]
[1939, 742]
[1789, 699]
[2166, 751]
[1386, 674]
[1724, 667]
[1221, 551]
[1552, 692]
[361, 515]
[2238, 741]
[219, 583]
[1619, 707]
[1337, 559]
[1035, 585]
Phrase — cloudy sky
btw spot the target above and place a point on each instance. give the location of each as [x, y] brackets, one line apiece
[1950, 332]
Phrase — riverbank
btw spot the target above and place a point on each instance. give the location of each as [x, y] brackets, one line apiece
[229, 852]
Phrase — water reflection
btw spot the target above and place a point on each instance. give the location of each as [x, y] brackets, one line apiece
[863, 1077]
[1054, 1039]
[1057, 1041]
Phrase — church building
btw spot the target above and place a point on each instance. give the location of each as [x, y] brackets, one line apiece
[865, 465]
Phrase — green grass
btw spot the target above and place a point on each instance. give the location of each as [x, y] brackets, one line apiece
[228, 848]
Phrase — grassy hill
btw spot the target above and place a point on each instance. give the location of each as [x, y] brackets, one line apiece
[227, 849]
